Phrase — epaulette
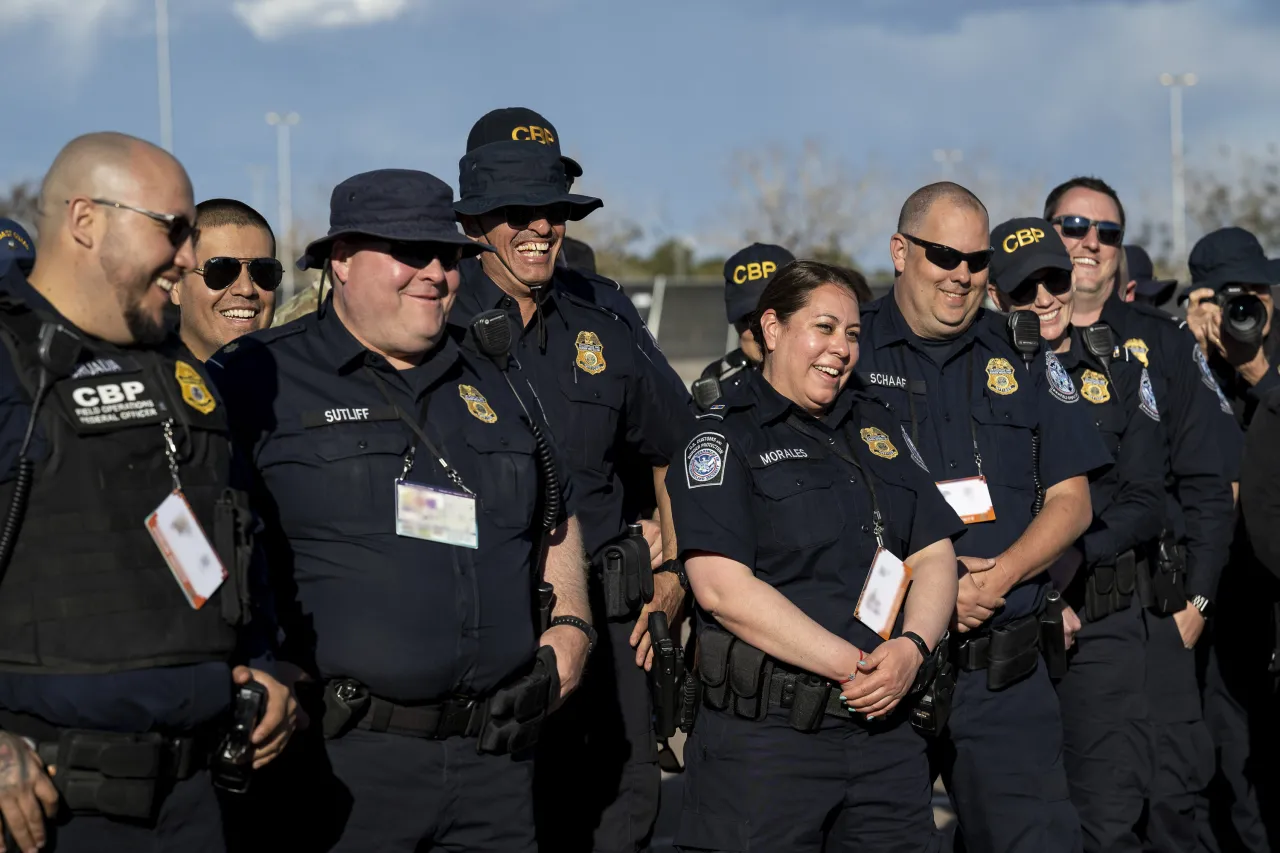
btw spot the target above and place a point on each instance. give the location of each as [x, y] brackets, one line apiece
[256, 342]
[587, 302]
[1152, 311]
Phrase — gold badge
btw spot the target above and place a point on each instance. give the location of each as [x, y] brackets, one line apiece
[1137, 348]
[1000, 378]
[879, 443]
[1093, 387]
[590, 353]
[477, 404]
[194, 392]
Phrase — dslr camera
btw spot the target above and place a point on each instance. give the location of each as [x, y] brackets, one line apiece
[1243, 314]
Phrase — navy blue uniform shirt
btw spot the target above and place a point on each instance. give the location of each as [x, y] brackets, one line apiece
[976, 389]
[762, 483]
[603, 391]
[178, 698]
[732, 370]
[1205, 444]
[412, 620]
[1127, 497]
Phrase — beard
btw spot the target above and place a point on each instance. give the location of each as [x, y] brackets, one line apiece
[143, 328]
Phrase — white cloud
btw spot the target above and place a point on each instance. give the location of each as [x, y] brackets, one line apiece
[273, 19]
[76, 22]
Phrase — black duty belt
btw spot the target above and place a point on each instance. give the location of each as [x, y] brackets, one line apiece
[782, 691]
[455, 717]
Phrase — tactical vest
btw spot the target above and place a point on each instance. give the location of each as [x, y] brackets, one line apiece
[87, 590]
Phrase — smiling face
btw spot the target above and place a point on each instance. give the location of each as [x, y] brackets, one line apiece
[810, 355]
[395, 298]
[213, 318]
[1094, 264]
[938, 303]
[527, 241]
[1053, 310]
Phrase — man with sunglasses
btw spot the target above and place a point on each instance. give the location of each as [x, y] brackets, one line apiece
[607, 395]
[1109, 748]
[126, 582]
[1204, 447]
[232, 289]
[1000, 434]
[403, 492]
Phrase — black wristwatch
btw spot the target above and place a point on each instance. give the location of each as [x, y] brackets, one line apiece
[677, 567]
[1204, 605]
[920, 644]
[582, 625]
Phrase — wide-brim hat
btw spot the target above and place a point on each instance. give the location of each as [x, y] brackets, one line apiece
[400, 205]
[1231, 256]
[508, 174]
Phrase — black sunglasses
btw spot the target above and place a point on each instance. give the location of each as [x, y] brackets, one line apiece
[519, 215]
[221, 273]
[180, 228]
[1077, 228]
[1057, 282]
[948, 258]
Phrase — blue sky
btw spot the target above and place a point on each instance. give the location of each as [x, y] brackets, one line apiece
[655, 98]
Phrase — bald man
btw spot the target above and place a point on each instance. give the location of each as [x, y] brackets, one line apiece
[125, 563]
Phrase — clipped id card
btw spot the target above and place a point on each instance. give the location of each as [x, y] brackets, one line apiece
[970, 498]
[882, 593]
[178, 535]
[436, 515]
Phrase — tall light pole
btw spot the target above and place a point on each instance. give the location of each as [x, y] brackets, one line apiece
[1175, 84]
[947, 158]
[162, 75]
[284, 188]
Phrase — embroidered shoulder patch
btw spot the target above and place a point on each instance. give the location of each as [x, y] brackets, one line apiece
[704, 460]
[911, 448]
[1207, 377]
[1060, 384]
[1147, 398]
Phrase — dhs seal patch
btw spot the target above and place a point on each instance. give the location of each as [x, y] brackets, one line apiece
[1000, 378]
[911, 448]
[1147, 398]
[1207, 377]
[1060, 384]
[1137, 348]
[879, 443]
[590, 353]
[477, 405]
[704, 460]
[1093, 387]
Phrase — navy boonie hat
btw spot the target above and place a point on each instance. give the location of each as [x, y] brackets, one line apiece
[747, 273]
[1230, 256]
[519, 124]
[401, 205]
[1023, 247]
[508, 174]
[1143, 273]
[16, 247]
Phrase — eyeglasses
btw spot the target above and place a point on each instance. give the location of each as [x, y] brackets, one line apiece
[1077, 228]
[948, 258]
[519, 215]
[420, 255]
[1057, 282]
[221, 273]
[180, 228]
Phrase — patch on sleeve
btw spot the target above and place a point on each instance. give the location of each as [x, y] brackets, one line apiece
[704, 459]
[1207, 377]
[911, 446]
[1147, 398]
[1060, 384]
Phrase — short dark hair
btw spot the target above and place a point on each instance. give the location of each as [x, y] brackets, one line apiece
[216, 212]
[860, 286]
[1082, 182]
[790, 288]
[920, 202]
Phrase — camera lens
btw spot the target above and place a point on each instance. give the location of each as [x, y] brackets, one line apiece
[1244, 317]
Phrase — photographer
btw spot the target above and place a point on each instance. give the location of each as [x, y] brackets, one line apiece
[1229, 311]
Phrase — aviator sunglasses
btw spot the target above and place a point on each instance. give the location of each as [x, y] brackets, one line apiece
[221, 273]
[1077, 228]
[947, 258]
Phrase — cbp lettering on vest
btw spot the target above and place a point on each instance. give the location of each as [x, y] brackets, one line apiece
[980, 418]
[807, 653]
[404, 541]
[608, 397]
[1099, 576]
[1204, 456]
[134, 547]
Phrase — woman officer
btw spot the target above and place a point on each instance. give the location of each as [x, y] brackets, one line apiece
[790, 491]
[1107, 739]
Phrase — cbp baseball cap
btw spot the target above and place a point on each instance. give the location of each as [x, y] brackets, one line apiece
[399, 205]
[1023, 247]
[519, 124]
[747, 273]
[1143, 272]
[1231, 256]
[16, 247]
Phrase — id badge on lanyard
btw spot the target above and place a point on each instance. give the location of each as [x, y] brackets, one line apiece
[883, 592]
[969, 496]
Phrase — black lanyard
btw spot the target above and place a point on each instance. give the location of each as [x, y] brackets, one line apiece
[900, 363]
[848, 455]
[449, 470]
[973, 423]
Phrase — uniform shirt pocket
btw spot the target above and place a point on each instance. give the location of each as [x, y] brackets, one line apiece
[1004, 440]
[506, 479]
[594, 411]
[800, 506]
